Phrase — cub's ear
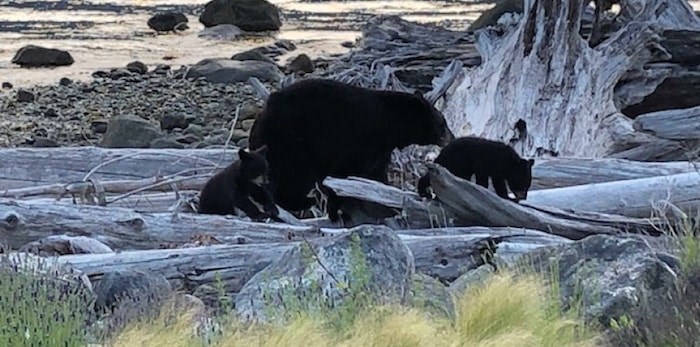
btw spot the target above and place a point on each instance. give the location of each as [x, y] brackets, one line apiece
[243, 155]
[530, 162]
[418, 94]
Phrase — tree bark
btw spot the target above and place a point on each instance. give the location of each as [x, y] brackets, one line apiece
[444, 257]
[679, 124]
[23, 222]
[543, 73]
[23, 167]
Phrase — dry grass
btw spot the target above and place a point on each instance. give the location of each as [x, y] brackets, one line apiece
[505, 311]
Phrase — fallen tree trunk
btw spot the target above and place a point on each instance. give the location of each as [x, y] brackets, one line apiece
[22, 222]
[679, 124]
[463, 203]
[564, 172]
[632, 198]
[543, 75]
[28, 167]
[444, 257]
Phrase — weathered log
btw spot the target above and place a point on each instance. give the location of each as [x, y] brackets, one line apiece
[22, 222]
[476, 205]
[534, 74]
[564, 172]
[445, 257]
[27, 167]
[463, 203]
[661, 151]
[632, 198]
[678, 124]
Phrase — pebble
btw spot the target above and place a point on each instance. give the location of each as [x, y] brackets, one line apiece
[6, 85]
[68, 108]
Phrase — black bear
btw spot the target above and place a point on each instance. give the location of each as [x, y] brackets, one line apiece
[316, 128]
[243, 185]
[467, 156]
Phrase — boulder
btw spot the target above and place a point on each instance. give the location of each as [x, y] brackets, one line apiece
[137, 67]
[327, 273]
[168, 21]
[36, 56]
[129, 131]
[24, 95]
[301, 63]
[249, 15]
[611, 276]
[171, 121]
[234, 71]
[430, 295]
[471, 278]
[117, 288]
[252, 54]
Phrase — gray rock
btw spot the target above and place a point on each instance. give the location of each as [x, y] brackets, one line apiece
[129, 131]
[130, 287]
[166, 142]
[24, 95]
[249, 15]
[253, 54]
[195, 129]
[220, 32]
[249, 110]
[286, 45]
[247, 124]
[302, 63]
[7, 85]
[611, 274]
[213, 298]
[168, 21]
[42, 142]
[470, 278]
[120, 73]
[368, 259]
[233, 71]
[171, 121]
[137, 67]
[188, 139]
[65, 81]
[243, 143]
[430, 295]
[239, 134]
[99, 126]
[36, 56]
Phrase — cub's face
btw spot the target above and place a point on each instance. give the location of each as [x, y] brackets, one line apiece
[254, 167]
[522, 179]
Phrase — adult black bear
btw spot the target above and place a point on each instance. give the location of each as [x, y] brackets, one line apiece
[467, 156]
[243, 185]
[316, 128]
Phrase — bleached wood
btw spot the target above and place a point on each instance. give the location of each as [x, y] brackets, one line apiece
[445, 257]
[29, 167]
[680, 124]
[543, 72]
[22, 222]
[564, 172]
[632, 198]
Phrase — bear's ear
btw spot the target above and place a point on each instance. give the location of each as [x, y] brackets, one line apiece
[243, 155]
[530, 162]
[418, 94]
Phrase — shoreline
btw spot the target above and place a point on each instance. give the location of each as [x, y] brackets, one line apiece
[104, 36]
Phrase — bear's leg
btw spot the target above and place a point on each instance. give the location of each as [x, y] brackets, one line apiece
[422, 187]
[247, 205]
[499, 184]
[482, 180]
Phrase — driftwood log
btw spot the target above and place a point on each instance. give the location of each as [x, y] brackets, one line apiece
[444, 257]
[462, 203]
[22, 222]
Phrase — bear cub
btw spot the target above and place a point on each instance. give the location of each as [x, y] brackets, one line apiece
[467, 156]
[242, 186]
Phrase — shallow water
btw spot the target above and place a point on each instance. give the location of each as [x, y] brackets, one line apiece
[103, 34]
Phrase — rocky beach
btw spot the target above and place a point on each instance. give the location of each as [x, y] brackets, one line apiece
[71, 105]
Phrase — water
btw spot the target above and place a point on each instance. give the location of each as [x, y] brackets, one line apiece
[103, 34]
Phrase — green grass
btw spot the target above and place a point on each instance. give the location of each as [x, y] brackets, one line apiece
[505, 311]
[36, 310]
